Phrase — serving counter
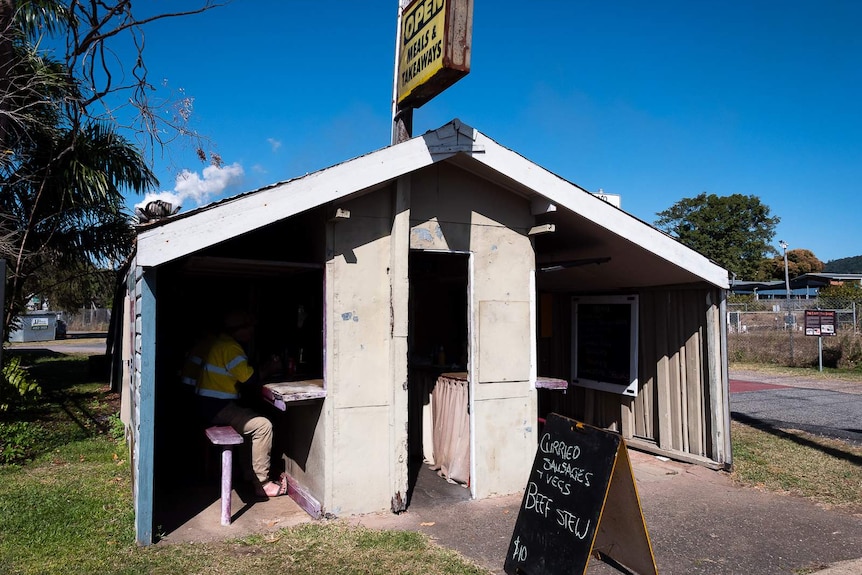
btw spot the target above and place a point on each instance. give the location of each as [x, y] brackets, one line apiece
[282, 394]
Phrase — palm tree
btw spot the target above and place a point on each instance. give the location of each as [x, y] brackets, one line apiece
[61, 187]
[62, 172]
[64, 206]
[65, 209]
[62, 177]
[29, 84]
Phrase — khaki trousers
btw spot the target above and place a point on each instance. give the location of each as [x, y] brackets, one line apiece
[248, 422]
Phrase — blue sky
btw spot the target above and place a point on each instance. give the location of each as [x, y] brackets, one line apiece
[654, 101]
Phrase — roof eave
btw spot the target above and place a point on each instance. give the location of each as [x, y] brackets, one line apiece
[206, 227]
[616, 221]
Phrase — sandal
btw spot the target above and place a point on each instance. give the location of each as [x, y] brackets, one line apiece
[281, 484]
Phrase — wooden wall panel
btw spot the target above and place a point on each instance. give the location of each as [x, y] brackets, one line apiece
[715, 379]
[665, 401]
[691, 368]
[646, 404]
[676, 388]
[674, 407]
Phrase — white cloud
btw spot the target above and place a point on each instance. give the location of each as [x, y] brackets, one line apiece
[274, 144]
[200, 189]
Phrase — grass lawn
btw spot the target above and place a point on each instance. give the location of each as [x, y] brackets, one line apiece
[806, 372]
[70, 512]
[828, 471]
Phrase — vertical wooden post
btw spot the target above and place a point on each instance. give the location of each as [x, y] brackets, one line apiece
[399, 293]
[3, 308]
[145, 408]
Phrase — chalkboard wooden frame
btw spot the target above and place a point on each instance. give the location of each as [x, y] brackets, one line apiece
[605, 343]
[580, 501]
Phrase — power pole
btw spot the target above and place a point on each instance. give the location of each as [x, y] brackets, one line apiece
[790, 316]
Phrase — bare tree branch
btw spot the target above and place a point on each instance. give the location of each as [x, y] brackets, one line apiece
[90, 56]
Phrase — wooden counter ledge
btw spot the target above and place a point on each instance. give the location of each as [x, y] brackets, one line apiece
[285, 393]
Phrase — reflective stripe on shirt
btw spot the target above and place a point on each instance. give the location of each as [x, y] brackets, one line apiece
[194, 360]
[226, 365]
[217, 394]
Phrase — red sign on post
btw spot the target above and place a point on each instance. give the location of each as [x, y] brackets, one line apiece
[819, 322]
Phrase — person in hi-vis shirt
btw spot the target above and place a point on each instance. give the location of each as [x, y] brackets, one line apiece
[224, 374]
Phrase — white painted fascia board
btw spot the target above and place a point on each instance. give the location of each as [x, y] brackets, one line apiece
[249, 212]
[615, 220]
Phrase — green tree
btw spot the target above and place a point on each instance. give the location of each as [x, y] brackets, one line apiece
[734, 231]
[799, 261]
[83, 285]
[847, 291]
[849, 265]
[67, 211]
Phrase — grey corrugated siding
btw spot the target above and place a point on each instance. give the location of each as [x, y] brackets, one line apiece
[675, 409]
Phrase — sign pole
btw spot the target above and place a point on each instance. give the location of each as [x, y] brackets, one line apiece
[432, 52]
[820, 350]
[402, 126]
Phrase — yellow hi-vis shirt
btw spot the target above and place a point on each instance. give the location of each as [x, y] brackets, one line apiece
[194, 361]
[226, 365]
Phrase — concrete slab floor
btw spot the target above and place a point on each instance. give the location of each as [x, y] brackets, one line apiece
[192, 513]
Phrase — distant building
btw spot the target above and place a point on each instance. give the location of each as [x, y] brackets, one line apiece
[805, 286]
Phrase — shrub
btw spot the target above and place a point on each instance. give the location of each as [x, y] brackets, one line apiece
[773, 348]
[116, 428]
[851, 352]
[17, 387]
[18, 441]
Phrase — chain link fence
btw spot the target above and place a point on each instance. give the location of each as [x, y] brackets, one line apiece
[772, 332]
[787, 315]
[87, 320]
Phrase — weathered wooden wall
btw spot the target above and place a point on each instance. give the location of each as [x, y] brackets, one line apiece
[139, 389]
[455, 211]
[679, 374]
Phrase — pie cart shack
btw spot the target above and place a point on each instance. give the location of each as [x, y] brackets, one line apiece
[436, 299]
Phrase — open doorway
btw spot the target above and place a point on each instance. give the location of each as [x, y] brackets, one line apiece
[438, 344]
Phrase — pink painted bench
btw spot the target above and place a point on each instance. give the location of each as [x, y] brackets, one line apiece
[225, 437]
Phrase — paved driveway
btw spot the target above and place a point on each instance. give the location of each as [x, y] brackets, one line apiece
[819, 406]
[82, 343]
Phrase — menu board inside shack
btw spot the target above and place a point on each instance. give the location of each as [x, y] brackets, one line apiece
[604, 343]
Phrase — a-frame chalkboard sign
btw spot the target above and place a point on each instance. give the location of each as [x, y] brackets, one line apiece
[581, 500]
